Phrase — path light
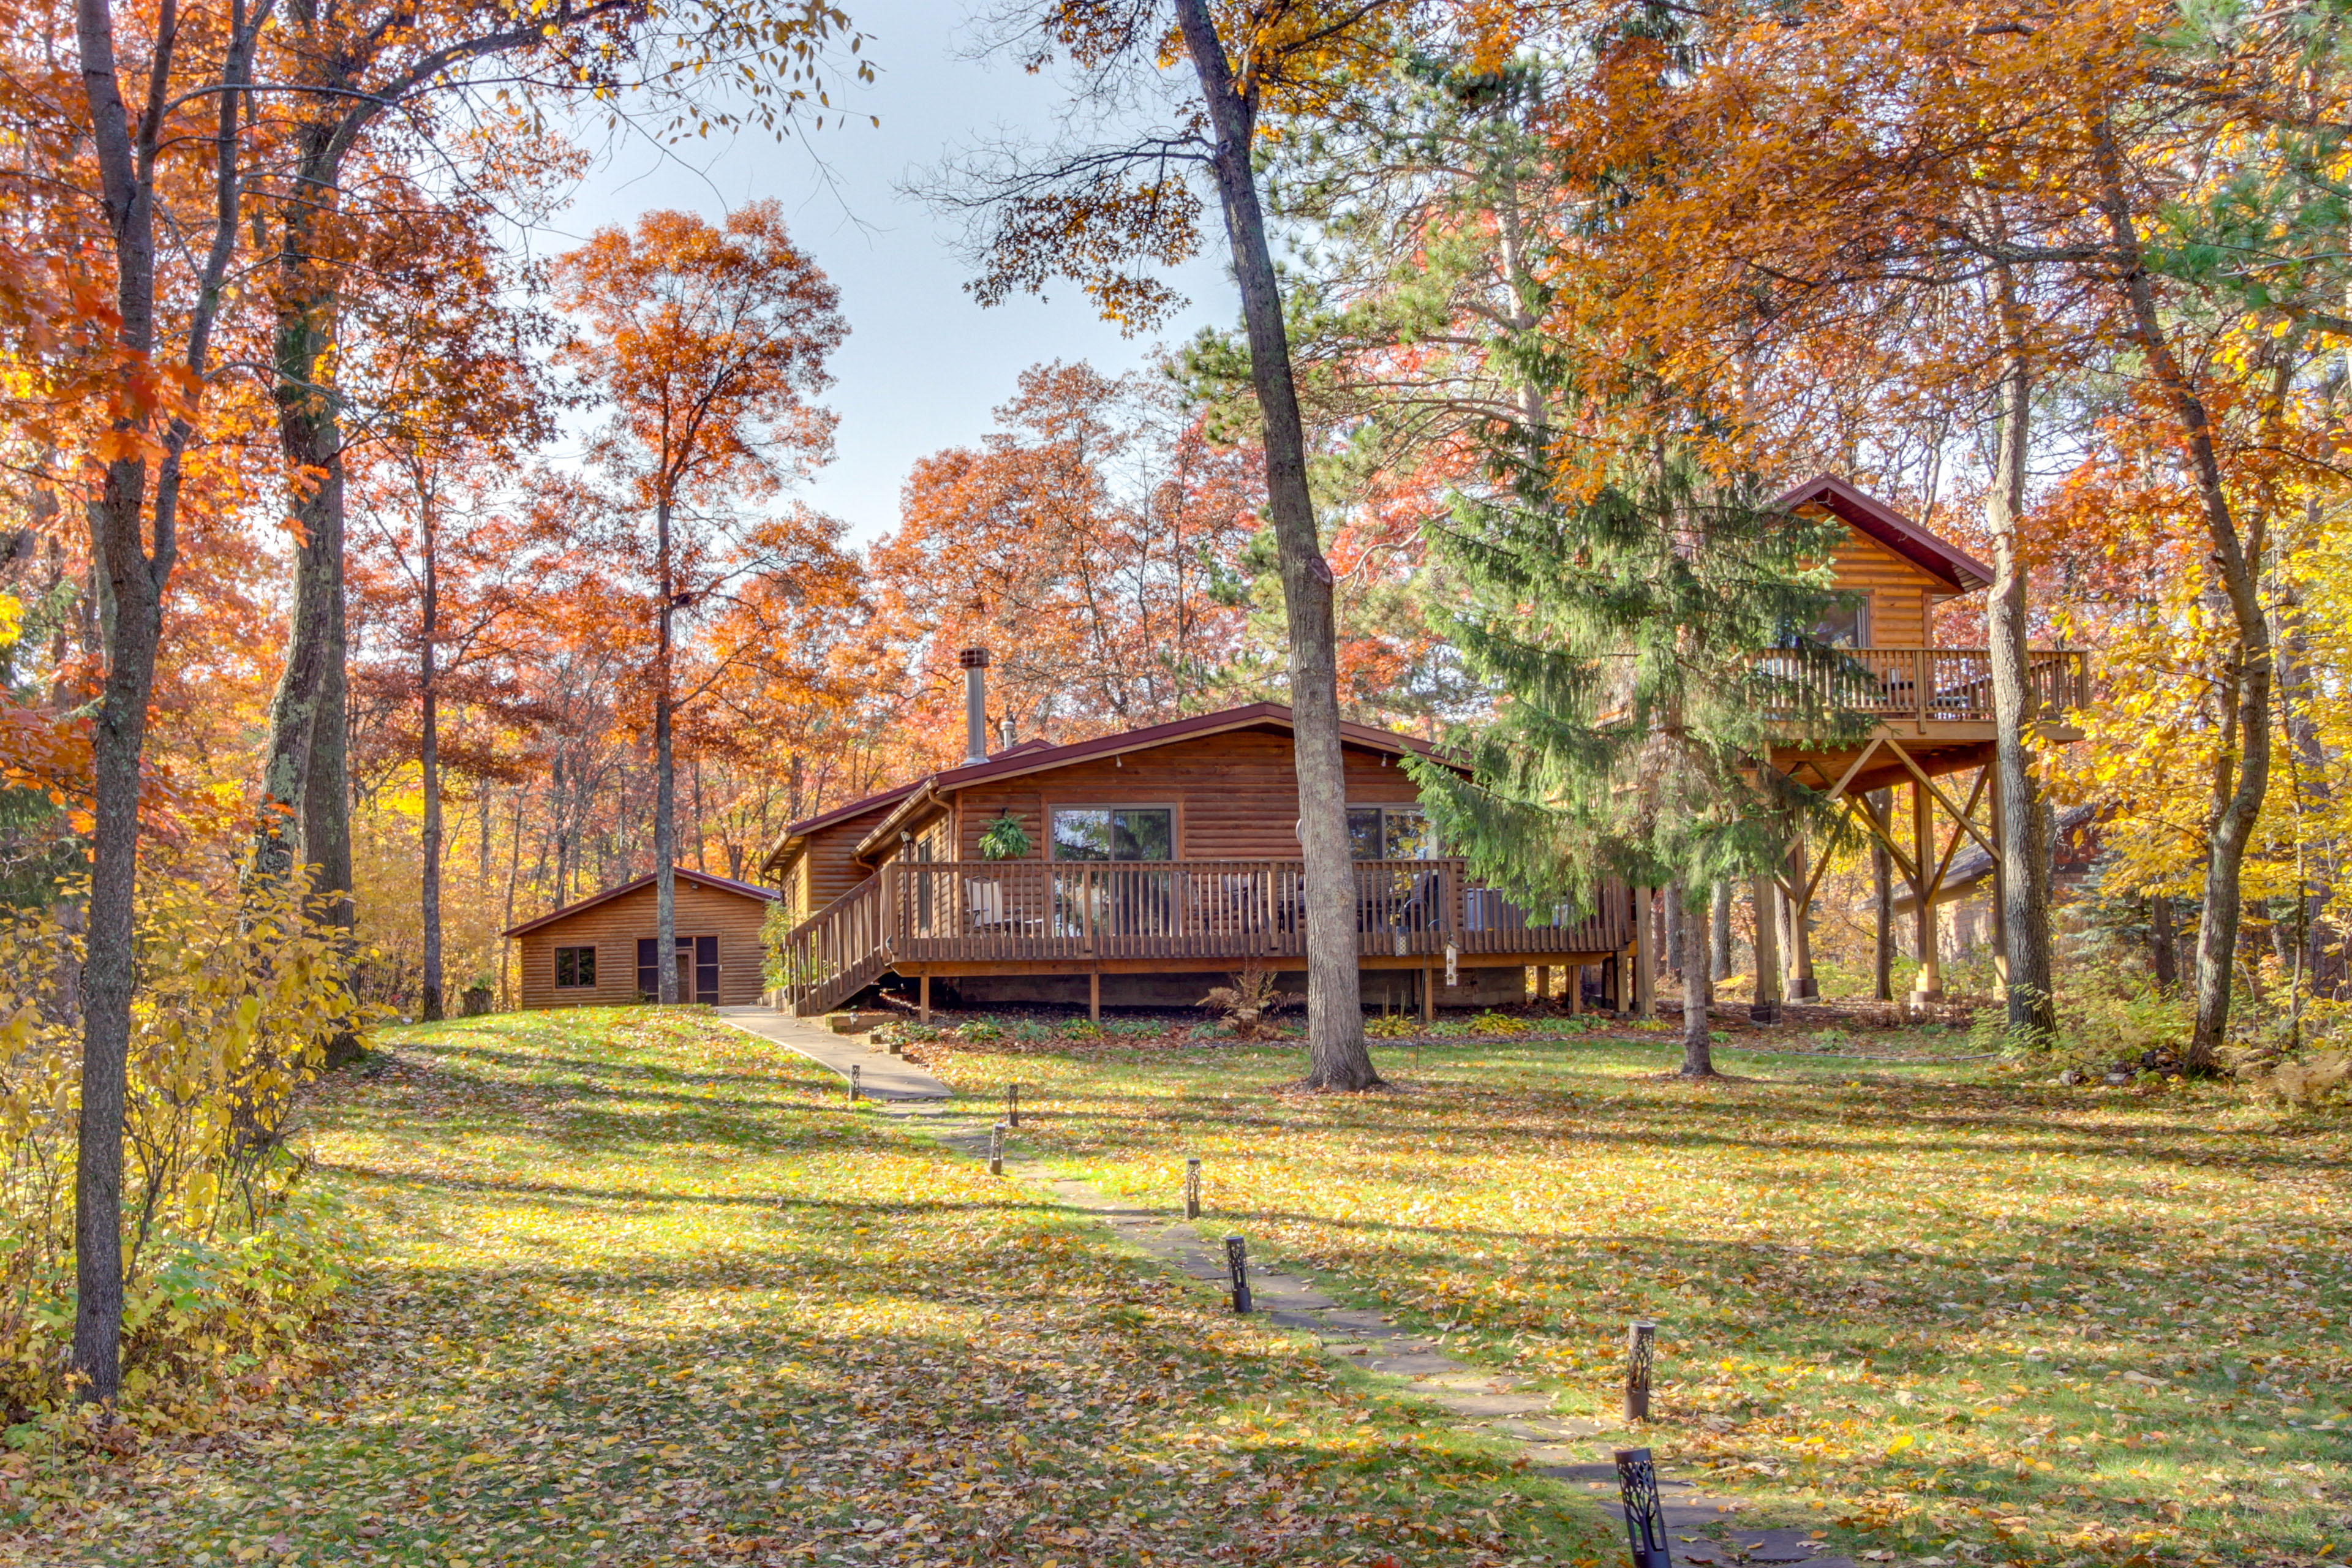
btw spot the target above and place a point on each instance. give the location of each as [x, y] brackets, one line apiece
[1237, 1265]
[996, 1150]
[856, 1090]
[1012, 1105]
[1192, 1187]
[1645, 1516]
[1641, 1350]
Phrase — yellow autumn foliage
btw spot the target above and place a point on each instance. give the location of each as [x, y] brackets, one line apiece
[226, 1263]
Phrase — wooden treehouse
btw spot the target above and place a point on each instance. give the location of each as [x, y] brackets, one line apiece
[1935, 733]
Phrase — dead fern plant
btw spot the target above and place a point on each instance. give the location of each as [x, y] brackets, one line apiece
[1250, 1002]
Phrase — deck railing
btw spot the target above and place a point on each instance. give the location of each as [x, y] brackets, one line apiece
[1020, 911]
[837, 952]
[1932, 685]
[1032, 910]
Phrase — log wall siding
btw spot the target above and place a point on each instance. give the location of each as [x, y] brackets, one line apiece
[1235, 795]
[825, 870]
[1900, 594]
[613, 928]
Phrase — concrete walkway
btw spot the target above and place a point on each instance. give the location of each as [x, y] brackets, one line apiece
[881, 1076]
[1567, 1449]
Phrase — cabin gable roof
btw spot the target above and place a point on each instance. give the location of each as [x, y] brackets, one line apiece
[1954, 569]
[683, 874]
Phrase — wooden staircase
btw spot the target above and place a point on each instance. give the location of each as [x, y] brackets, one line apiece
[837, 951]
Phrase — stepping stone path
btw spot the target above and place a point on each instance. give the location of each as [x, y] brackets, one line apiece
[1700, 1529]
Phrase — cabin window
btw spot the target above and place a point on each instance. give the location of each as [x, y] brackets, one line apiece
[1114, 833]
[575, 966]
[1844, 625]
[1390, 833]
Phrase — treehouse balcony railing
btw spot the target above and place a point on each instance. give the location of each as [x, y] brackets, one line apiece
[1934, 685]
[1229, 911]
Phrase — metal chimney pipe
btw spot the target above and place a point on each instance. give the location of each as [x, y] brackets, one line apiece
[975, 704]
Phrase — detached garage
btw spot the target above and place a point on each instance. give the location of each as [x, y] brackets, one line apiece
[603, 951]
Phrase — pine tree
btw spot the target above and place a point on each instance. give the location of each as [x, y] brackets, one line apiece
[1646, 644]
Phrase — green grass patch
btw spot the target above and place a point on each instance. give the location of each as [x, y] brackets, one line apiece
[1942, 1311]
[643, 1291]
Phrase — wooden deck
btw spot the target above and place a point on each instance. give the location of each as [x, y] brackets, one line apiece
[975, 917]
[1934, 687]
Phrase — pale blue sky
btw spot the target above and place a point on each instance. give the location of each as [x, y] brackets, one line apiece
[924, 364]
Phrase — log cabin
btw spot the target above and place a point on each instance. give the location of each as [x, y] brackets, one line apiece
[1137, 868]
[1133, 867]
[605, 950]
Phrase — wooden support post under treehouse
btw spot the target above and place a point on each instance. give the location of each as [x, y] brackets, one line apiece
[1094, 994]
[1428, 996]
[1543, 981]
[1928, 985]
[923, 998]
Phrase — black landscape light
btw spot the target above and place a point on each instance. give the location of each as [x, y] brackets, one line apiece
[1012, 1105]
[1237, 1265]
[1645, 1516]
[855, 1090]
[1192, 1187]
[996, 1150]
[1640, 1351]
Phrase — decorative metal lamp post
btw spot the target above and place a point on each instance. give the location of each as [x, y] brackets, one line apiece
[996, 1150]
[1237, 1265]
[1645, 1516]
[855, 1089]
[1192, 1187]
[1640, 1351]
[1012, 1105]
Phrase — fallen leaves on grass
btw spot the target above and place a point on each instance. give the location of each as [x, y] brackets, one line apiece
[1947, 1307]
[646, 1293]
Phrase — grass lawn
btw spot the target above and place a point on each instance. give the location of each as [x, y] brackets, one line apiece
[642, 1290]
[1949, 1315]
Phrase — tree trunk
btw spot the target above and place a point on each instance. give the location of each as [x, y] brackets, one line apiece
[665, 787]
[133, 578]
[1699, 991]
[1801, 987]
[2025, 852]
[1881, 900]
[429, 757]
[1337, 1057]
[1672, 947]
[2162, 965]
[304, 822]
[1719, 960]
[2232, 559]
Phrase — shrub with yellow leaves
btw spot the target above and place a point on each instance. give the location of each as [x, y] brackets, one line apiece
[226, 1265]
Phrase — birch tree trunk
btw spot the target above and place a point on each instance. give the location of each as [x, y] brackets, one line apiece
[1338, 1057]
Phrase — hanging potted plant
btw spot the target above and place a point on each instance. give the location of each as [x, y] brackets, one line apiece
[1004, 838]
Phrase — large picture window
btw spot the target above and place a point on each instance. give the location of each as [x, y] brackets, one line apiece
[1114, 833]
[1390, 833]
[575, 966]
